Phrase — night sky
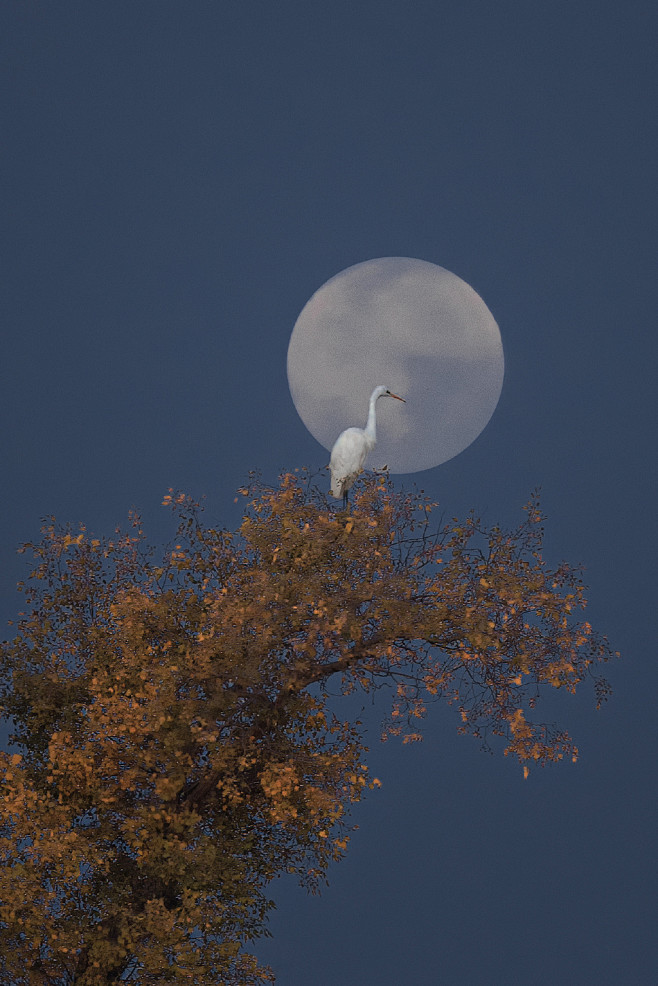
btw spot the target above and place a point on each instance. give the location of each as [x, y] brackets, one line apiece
[177, 180]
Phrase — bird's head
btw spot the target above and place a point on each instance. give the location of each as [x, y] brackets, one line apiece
[385, 392]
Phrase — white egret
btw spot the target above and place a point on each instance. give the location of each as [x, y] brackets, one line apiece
[352, 446]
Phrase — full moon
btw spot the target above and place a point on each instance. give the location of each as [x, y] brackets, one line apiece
[414, 327]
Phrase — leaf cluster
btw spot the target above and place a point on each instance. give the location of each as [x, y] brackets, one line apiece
[174, 747]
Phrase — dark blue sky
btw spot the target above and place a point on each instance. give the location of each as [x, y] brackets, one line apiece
[177, 180]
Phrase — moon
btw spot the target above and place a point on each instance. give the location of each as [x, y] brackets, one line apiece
[414, 327]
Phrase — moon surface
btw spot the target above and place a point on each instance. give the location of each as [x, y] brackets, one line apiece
[414, 327]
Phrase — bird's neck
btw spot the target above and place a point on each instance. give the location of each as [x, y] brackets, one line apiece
[371, 424]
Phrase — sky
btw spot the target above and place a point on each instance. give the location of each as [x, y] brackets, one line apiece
[178, 179]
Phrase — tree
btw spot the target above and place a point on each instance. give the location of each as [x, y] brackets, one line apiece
[174, 746]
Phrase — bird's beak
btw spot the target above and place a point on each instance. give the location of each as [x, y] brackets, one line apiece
[398, 398]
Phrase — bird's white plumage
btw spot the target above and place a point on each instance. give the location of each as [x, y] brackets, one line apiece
[351, 448]
[347, 458]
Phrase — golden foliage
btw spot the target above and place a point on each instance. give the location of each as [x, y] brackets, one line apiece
[178, 748]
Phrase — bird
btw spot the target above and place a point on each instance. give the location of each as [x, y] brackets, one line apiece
[352, 446]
